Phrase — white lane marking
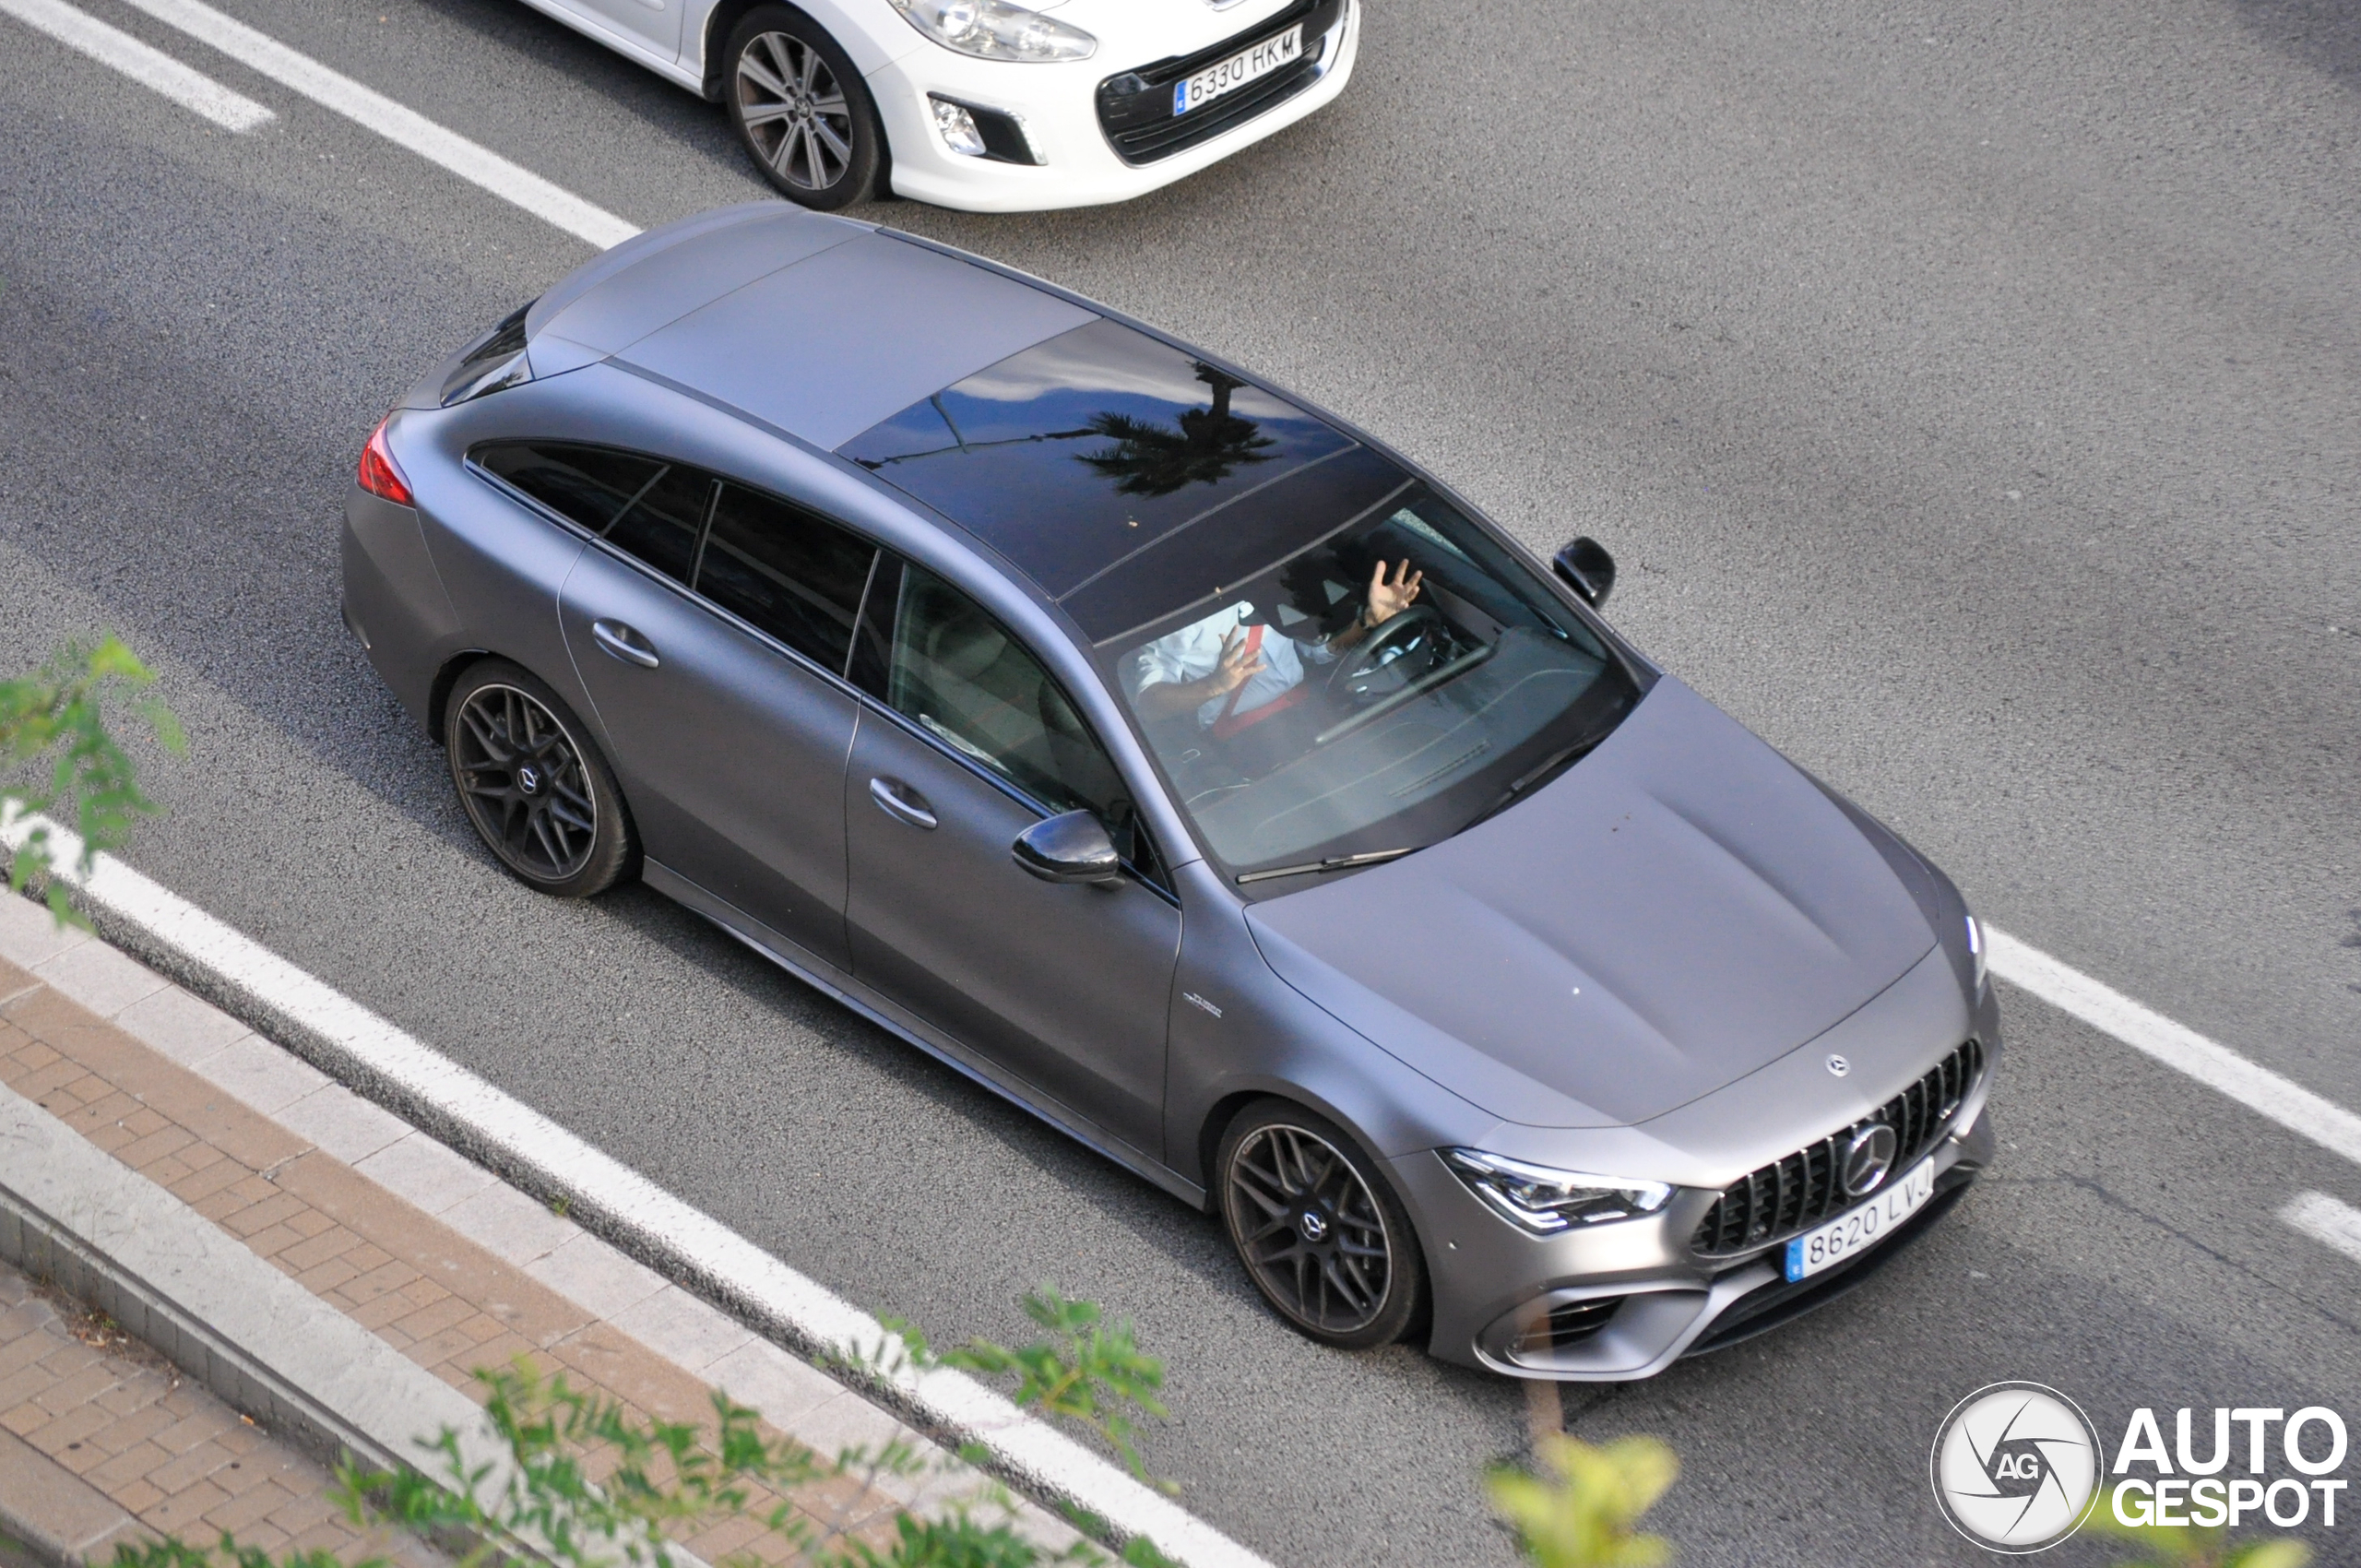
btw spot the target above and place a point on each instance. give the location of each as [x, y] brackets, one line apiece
[149, 66]
[721, 1264]
[367, 107]
[2327, 1221]
[2210, 1063]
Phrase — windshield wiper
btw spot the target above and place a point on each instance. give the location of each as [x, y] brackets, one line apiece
[1549, 769]
[1333, 863]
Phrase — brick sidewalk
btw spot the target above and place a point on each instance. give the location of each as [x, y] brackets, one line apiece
[117, 1446]
[432, 1255]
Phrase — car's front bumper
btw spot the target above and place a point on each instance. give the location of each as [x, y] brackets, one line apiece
[1495, 1286]
[1057, 106]
[1656, 1296]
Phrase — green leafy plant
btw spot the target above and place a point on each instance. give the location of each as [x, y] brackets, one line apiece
[1088, 1371]
[2195, 1546]
[585, 1484]
[1581, 1509]
[573, 1477]
[659, 1475]
[580, 1482]
[172, 1552]
[58, 716]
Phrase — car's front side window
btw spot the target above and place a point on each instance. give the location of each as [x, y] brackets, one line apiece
[962, 677]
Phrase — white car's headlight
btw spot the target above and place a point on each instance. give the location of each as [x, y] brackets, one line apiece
[1975, 950]
[1544, 1201]
[994, 29]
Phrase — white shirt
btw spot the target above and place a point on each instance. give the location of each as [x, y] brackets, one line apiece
[1195, 652]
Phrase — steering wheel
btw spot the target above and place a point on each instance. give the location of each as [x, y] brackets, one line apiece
[1405, 646]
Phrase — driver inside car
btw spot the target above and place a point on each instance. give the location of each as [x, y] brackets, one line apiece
[1233, 671]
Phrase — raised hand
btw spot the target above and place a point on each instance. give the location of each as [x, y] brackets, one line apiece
[1387, 599]
[1239, 664]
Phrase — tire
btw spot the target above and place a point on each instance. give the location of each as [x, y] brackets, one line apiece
[533, 784]
[815, 131]
[1320, 1231]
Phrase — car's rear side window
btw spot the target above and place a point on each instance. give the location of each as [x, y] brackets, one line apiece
[786, 571]
[644, 506]
[660, 526]
[589, 484]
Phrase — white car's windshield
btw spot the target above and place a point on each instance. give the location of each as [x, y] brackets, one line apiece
[1384, 689]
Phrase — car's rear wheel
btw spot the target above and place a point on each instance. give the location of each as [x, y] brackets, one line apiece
[802, 109]
[533, 784]
[1320, 1233]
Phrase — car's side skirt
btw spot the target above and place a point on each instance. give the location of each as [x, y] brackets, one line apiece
[824, 976]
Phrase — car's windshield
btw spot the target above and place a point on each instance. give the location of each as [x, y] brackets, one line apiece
[1385, 688]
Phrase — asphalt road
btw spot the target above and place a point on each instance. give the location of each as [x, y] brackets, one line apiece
[1971, 393]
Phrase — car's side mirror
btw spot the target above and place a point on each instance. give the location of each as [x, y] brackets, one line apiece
[1070, 848]
[1589, 569]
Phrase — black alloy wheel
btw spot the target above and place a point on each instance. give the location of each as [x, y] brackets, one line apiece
[802, 109]
[539, 796]
[1320, 1235]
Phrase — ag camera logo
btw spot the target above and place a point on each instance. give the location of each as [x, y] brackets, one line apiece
[2015, 1467]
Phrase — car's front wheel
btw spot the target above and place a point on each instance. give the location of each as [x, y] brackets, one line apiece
[534, 785]
[1320, 1233]
[802, 109]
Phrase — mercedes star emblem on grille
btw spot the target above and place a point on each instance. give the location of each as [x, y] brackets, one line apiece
[1867, 1159]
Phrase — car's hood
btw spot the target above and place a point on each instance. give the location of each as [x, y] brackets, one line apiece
[1677, 909]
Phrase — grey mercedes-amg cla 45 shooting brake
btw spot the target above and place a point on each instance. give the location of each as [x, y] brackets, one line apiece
[1184, 765]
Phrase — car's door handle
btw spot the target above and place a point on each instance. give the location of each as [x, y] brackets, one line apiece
[901, 802]
[623, 643]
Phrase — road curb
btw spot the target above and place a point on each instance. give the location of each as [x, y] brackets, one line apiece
[72, 1216]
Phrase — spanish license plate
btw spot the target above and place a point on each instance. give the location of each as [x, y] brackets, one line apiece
[1858, 1230]
[1254, 60]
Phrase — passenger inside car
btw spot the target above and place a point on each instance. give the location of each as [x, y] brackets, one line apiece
[1233, 672]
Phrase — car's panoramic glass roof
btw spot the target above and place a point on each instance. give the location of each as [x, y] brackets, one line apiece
[1125, 477]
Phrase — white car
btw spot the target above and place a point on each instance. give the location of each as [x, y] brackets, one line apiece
[986, 104]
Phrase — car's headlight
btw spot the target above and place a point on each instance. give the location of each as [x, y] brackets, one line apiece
[1975, 952]
[994, 29]
[1544, 1201]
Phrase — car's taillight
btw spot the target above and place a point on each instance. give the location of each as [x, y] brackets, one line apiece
[378, 474]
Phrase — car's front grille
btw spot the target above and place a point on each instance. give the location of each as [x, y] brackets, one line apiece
[1569, 1323]
[1135, 108]
[1807, 1187]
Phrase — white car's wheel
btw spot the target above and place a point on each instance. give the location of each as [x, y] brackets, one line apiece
[802, 109]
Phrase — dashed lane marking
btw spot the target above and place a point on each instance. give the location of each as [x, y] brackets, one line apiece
[2177, 1046]
[148, 65]
[373, 109]
[2327, 1221]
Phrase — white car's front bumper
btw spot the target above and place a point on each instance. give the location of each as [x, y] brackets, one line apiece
[1057, 106]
